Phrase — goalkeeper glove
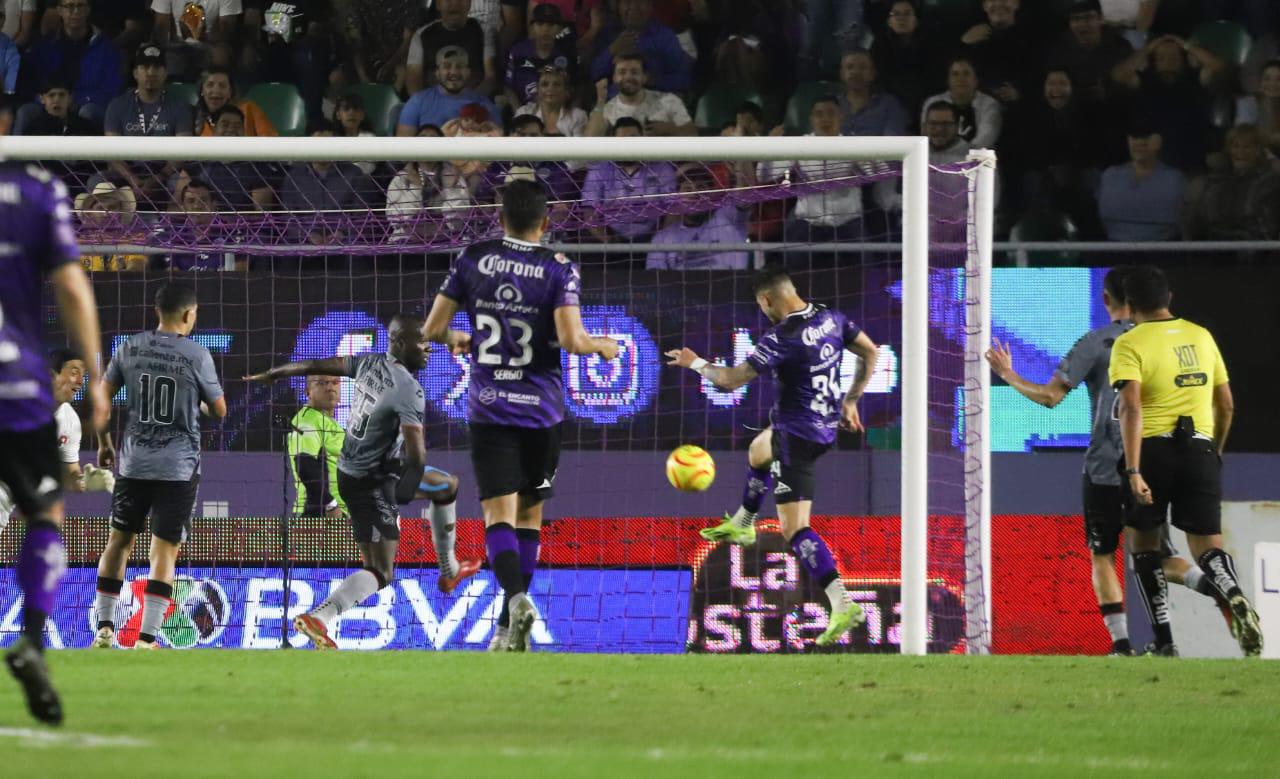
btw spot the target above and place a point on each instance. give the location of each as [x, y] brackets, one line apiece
[98, 479]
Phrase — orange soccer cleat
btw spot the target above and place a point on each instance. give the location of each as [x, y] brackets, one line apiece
[466, 569]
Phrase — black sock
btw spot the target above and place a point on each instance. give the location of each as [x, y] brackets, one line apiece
[33, 620]
[1155, 594]
[1220, 571]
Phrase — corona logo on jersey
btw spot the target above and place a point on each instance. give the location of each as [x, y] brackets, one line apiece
[690, 469]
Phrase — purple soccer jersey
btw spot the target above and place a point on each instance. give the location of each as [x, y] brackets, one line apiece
[36, 222]
[510, 290]
[804, 352]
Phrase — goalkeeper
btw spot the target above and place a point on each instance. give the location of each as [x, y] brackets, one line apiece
[68, 376]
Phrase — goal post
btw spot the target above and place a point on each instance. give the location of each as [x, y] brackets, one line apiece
[911, 153]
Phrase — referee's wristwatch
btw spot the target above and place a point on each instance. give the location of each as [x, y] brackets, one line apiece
[1132, 472]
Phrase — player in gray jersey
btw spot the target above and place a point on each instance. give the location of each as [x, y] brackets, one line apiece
[1088, 362]
[169, 380]
[382, 466]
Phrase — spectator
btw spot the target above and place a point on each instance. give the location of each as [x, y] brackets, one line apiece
[19, 21]
[668, 66]
[1263, 108]
[79, 54]
[334, 187]
[57, 117]
[193, 222]
[660, 113]
[1089, 52]
[217, 89]
[749, 43]
[725, 224]
[243, 186]
[1131, 17]
[942, 126]
[1003, 51]
[10, 61]
[417, 186]
[610, 181]
[1168, 90]
[1142, 199]
[454, 29]
[108, 215]
[981, 116]
[552, 105]
[127, 22]
[748, 122]
[553, 176]
[444, 101]
[825, 20]
[352, 122]
[299, 49]
[1242, 204]
[196, 35]
[904, 56]
[543, 49]
[585, 18]
[867, 111]
[147, 111]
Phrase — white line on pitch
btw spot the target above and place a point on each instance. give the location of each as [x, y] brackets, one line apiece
[50, 738]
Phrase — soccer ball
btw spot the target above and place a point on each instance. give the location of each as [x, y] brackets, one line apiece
[690, 469]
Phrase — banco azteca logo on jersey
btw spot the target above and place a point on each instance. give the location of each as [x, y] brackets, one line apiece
[196, 616]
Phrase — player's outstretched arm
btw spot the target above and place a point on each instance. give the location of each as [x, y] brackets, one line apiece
[436, 328]
[332, 366]
[724, 378]
[575, 339]
[1047, 395]
[80, 316]
[868, 355]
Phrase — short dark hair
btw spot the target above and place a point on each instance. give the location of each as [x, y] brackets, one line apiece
[832, 99]
[524, 120]
[629, 58]
[226, 109]
[749, 107]
[1147, 289]
[626, 121]
[59, 356]
[1113, 283]
[768, 278]
[175, 297]
[323, 126]
[218, 70]
[55, 81]
[350, 100]
[197, 183]
[524, 205]
[942, 105]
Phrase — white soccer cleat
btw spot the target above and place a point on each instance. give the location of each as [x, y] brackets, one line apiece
[145, 645]
[523, 615]
[499, 641]
[104, 639]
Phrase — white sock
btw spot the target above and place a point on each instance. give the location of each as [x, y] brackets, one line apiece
[153, 609]
[1117, 626]
[837, 596]
[1192, 578]
[104, 608]
[353, 589]
[743, 518]
[444, 537]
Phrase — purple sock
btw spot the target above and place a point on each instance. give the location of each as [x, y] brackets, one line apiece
[504, 557]
[530, 545]
[814, 555]
[40, 566]
[759, 481]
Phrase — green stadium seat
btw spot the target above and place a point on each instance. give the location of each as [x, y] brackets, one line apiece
[380, 103]
[1228, 40]
[189, 93]
[796, 120]
[718, 106]
[283, 106]
[1045, 224]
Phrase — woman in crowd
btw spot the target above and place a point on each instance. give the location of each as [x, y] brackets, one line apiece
[217, 89]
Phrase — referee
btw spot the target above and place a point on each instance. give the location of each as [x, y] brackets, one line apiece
[1174, 406]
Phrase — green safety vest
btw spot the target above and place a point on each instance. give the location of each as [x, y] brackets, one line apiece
[312, 433]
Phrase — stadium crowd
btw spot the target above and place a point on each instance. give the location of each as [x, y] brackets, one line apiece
[1127, 120]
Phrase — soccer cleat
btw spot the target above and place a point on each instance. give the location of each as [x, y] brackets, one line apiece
[1120, 648]
[466, 568]
[104, 639]
[1160, 650]
[28, 667]
[499, 641]
[315, 630]
[145, 645]
[841, 622]
[1245, 627]
[522, 617]
[727, 531]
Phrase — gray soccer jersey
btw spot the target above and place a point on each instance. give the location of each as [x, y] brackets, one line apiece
[165, 376]
[387, 396]
[1088, 361]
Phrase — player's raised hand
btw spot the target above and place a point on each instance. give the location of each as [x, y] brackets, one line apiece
[458, 342]
[849, 418]
[608, 349]
[1000, 358]
[683, 357]
[100, 402]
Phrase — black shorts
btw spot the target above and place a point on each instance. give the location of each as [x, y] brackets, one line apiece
[793, 465]
[170, 505]
[31, 467]
[371, 503]
[1186, 486]
[515, 460]
[1103, 516]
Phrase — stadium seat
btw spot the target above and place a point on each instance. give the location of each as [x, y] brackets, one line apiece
[801, 102]
[380, 104]
[718, 106]
[1228, 40]
[283, 105]
[1045, 224]
[190, 93]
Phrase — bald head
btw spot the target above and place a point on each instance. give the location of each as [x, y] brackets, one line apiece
[407, 342]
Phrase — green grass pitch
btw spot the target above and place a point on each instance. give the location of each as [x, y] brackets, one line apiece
[289, 713]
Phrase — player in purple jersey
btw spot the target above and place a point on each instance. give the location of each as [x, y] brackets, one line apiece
[36, 242]
[522, 300]
[803, 350]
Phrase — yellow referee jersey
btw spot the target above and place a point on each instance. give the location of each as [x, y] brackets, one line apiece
[1179, 364]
